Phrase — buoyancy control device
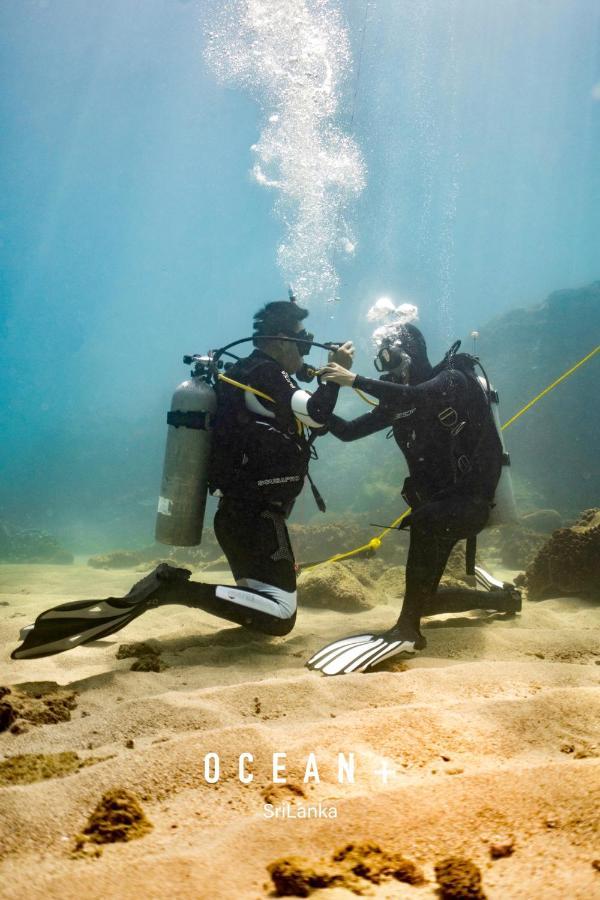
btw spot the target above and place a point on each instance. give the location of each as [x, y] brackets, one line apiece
[184, 486]
[183, 490]
[504, 508]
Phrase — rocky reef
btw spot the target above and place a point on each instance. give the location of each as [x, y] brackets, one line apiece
[543, 521]
[352, 585]
[107, 476]
[569, 562]
[148, 557]
[349, 585]
[554, 445]
[19, 545]
[312, 543]
[320, 540]
[517, 546]
[355, 867]
[333, 586]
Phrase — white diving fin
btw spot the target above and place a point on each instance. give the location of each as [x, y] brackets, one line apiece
[360, 652]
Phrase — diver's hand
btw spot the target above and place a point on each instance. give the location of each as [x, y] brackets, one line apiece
[338, 374]
[343, 356]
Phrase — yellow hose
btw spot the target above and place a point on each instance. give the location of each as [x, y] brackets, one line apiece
[364, 397]
[251, 390]
[245, 387]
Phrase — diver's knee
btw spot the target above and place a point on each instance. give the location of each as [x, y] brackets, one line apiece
[285, 602]
[281, 627]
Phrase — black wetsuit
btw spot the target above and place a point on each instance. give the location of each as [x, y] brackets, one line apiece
[260, 456]
[444, 429]
[259, 462]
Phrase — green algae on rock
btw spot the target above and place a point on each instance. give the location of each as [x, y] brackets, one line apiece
[117, 817]
[332, 586]
[149, 663]
[296, 877]
[568, 564]
[459, 879]
[28, 768]
[353, 867]
[137, 649]
[38, 703]
[372, 862]
[147, 656]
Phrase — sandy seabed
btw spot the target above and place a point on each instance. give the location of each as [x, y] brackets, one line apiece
[490, 736]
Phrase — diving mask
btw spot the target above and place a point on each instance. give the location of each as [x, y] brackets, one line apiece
[303, 340]
[391, 358]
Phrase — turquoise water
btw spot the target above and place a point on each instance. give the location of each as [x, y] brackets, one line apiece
[135, 226]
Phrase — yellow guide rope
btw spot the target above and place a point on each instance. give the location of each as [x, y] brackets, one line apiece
[551, 387]
[375, 542]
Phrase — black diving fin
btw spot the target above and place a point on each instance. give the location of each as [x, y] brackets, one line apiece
[72, 624]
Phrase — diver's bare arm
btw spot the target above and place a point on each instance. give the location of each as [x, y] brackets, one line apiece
[334, 373]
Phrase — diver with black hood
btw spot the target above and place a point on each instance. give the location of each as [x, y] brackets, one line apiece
[261, 445]
[441, 421]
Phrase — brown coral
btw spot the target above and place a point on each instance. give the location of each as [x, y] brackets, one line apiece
[459, 879]
[29, 767]
[569, 562]
[352, 867]
[295, 877]
[39, 703]
[333, 586]
[375, 864]
[117, 817]
[518, 546]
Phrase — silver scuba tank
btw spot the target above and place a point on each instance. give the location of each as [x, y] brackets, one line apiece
[183, 489]
[504, 509]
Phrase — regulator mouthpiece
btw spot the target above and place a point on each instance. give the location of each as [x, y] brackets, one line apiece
[306, 373]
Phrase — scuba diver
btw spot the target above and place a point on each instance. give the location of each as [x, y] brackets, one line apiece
[442, 422]
[261, 445]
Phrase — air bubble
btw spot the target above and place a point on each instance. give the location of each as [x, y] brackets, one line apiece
[294, 57]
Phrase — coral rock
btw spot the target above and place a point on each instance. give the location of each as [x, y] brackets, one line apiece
[544, 520]
[519, 546]
[117, 817]
[333, 586]
[459, 879]
[19, 545]
[569, 562]
[392, 583]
